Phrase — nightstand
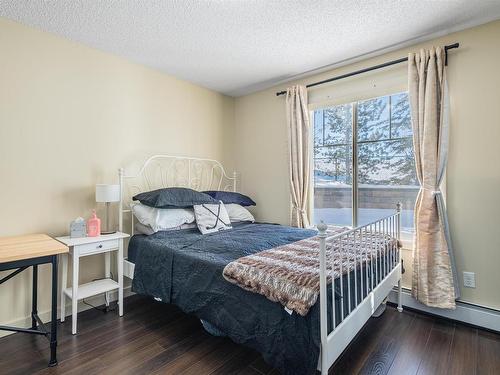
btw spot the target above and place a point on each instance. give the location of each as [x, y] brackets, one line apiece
[85, 246]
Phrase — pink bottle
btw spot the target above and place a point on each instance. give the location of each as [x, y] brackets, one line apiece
[94, 226]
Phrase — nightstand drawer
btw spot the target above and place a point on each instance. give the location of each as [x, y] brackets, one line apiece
[97, 247]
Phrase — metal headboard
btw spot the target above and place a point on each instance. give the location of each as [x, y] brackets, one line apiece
[161, 171]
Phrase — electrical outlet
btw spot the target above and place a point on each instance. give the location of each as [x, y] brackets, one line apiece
[469, 279]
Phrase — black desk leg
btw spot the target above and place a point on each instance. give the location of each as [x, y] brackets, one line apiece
[53, 324]
[34, 301]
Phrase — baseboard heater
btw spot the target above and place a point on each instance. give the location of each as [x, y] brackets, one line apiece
[479, 316]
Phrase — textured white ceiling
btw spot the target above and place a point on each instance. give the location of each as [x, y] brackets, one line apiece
[238, 46]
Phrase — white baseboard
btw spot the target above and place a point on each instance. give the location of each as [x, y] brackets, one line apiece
[465, 312]
[45, 315]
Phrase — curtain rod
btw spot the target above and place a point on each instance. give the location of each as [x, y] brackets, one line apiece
[375, 67]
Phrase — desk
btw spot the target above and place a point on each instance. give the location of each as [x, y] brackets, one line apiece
[21, 252]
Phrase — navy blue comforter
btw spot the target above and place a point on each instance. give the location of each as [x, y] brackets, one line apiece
[185, 268]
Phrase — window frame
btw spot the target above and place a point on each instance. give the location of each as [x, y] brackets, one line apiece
[406, 236]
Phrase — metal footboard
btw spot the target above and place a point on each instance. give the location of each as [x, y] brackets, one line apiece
[369, 267]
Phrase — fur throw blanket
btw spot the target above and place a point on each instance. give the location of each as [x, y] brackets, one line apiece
[289, 274]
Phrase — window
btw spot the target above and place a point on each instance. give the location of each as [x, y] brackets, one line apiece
[363, 161]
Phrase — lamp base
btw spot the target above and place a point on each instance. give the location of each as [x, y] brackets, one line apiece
[104, 232]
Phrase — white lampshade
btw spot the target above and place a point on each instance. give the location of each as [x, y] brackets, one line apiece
[107, 193]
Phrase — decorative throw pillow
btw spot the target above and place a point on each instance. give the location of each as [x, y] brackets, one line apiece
[174, 197]
[238, 213]
[228, 197]
[211, 217]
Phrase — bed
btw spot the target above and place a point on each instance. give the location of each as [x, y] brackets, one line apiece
[185, 268]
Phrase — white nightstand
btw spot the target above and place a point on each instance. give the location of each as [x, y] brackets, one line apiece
[80, 247]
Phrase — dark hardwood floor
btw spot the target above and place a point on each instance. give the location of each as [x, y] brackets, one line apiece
[157, 338]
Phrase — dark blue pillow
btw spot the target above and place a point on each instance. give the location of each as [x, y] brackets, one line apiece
[174, 197]
[228, 197]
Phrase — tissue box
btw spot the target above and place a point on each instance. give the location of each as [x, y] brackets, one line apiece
[78, 228]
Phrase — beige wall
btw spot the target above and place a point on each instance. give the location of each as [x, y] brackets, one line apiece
[70, 116]
[473, 178]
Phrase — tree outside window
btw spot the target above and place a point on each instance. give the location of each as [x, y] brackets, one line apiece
[381, 128]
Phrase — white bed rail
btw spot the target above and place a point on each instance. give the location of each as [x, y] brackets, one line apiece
[377, 273]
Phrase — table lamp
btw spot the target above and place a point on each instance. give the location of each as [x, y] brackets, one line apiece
[107, 194]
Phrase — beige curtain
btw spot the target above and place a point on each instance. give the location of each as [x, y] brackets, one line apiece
[299, 154]
[434, 280]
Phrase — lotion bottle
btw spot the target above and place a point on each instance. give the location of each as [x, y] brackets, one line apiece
[94, 225]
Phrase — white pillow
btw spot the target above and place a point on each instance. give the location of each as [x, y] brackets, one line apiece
[211, 217]
[162, 218]
[237, 213]
[146, 229]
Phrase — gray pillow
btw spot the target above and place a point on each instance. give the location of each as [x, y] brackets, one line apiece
[143, 229]
[174, 197]
[231, 197]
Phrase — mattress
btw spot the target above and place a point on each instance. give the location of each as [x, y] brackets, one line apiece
[185, 268]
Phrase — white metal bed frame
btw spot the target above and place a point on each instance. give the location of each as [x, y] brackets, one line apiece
[206, 174]
[386, 266]
[161, 171]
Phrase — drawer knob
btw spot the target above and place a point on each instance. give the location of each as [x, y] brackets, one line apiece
[100, 246]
